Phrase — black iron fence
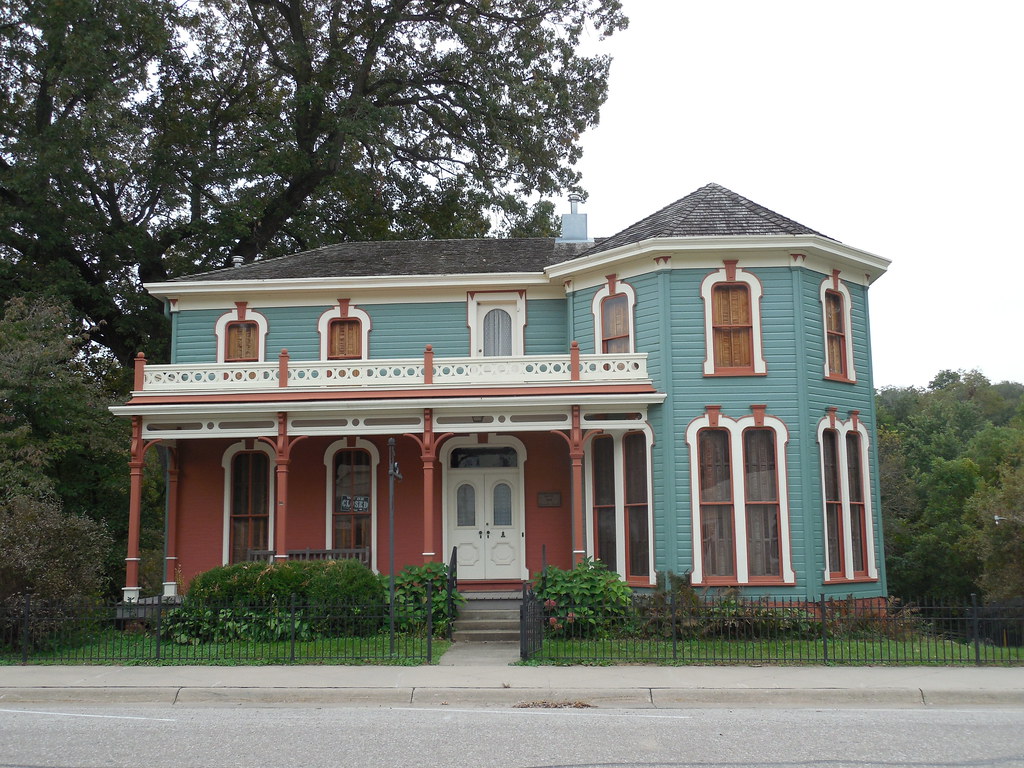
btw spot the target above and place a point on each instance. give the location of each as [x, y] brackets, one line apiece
[678, 629]
[159, 630]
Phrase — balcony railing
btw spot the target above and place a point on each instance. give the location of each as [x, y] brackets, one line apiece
[411, 373]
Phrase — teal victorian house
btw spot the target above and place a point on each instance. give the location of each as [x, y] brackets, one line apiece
[692, 394]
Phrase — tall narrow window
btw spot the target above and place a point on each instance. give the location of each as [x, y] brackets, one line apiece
[497, 333]
[242, 342]
[835, 333]
[634, 454]
[615, 324]
[858, 522]
[604, 500]
[250, 515]
[716, 504]
[739, 502]
[353, 502]
[762, 497]
[833, 504]
[733, 329]
[345, 339]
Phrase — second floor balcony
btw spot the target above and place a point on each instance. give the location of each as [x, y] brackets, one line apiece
[391, 374]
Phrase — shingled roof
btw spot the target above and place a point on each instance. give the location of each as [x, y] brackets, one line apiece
[405, 257]
[710, 211]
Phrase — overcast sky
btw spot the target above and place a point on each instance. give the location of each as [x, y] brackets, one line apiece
[894, 127]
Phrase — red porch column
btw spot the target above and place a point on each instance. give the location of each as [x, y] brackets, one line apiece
[135, 465]
[576, 439]
[429, 444]
[171, 561]
[283, 445]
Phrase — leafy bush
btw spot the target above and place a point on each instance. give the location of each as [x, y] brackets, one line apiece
[588, 600]
[254, 601]
[411, 597]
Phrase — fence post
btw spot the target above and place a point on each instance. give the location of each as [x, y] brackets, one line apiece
[672, 615]
[291, 654]
[25, 628]
[430, 621]
[159, 612]
[824, 629]
[974, 629]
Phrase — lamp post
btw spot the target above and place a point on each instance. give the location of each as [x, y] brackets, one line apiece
[393, 473]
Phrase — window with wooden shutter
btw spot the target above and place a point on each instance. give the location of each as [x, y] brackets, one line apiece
[615, 324]
[835, 333]
[732, 327]
[345, 339]
[242, 342]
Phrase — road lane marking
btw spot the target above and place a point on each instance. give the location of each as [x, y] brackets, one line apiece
[74, 714]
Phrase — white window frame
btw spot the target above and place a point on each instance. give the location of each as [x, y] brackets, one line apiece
[225, 462]
[349, 444]
[843, 428]
[754, 285]
[619, 464]
[836, 285]
[603, 293]
[479, 303]
[236, 316]
[323, 327]
[735, 427]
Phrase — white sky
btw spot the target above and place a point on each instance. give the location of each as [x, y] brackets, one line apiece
[895, 127]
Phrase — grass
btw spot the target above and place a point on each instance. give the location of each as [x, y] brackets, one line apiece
[136, 648]
[913, 651]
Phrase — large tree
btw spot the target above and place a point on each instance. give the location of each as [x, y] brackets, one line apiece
[144, 139]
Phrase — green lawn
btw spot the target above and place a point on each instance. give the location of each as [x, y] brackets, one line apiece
[912, 651]
[113, 647]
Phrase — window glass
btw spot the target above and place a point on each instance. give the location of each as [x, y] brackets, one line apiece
[483, 458]
[502, 505]
[604, 500]
[833, 501]
[465, 505]
[250, 516]
[857, 522]
[762, 508]
[836, 334]
[497, 333]
[615, 324]
[717, 538]
[634, 450]
[353, 502]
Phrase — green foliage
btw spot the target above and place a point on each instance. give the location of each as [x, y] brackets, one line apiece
[411, 597]
[945, 453]
[588, 600]
[262, 602]
[145, 139]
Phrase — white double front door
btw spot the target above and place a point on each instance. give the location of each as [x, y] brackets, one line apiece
[485, 522]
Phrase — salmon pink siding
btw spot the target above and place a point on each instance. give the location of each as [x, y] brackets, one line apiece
[200, 520]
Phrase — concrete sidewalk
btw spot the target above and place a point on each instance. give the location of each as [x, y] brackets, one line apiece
[498, 685]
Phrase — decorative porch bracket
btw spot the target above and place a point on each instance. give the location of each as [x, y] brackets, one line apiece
[429, 443]
[576, 440]
[282, 445]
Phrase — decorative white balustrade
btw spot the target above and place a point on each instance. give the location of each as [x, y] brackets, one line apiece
[392, 374]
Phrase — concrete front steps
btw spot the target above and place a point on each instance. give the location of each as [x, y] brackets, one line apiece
[488, 617]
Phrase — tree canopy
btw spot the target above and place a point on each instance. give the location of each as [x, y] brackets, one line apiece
[146, 139]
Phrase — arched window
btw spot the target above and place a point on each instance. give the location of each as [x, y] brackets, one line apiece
[732, 323]
[612, 308]
[849, 549]
[345, 339]
[740, 507]
[241, 335]
[248, 520]
[352, 513]
[497, 333]
[835, 301]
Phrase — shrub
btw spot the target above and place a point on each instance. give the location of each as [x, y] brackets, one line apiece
[411, 596]
[253, 601]
[588, 600]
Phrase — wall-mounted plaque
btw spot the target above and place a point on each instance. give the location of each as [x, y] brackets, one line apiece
[549, 499]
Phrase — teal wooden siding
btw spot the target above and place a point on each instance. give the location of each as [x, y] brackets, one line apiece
[404, 330]
[546, 327]
[294, 329]
[194, 339]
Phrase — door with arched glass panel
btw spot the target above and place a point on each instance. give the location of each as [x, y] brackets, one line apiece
[485, 523]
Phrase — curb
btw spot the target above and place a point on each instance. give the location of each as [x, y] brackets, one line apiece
[602, 698]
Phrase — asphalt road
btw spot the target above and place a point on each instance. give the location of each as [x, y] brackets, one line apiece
[212, 737]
